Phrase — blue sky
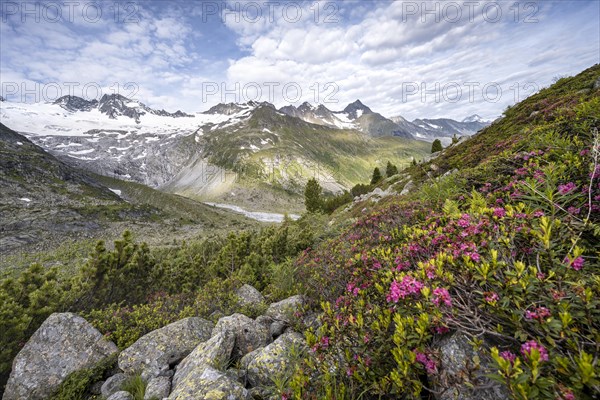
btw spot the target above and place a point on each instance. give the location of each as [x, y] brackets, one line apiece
[409, 58]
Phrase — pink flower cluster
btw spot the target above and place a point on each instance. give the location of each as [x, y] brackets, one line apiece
[529, 346]
[577, 263]
[427, 362]
[441, 295]
[508, 356]
[491, 297]
[566, 188]
[538, 313]
[404, 288]
[499, 212]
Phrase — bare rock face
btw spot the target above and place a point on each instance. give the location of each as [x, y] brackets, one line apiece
[200, 375]
[249, 334]
[460, 377]
[63, 344]
[262, 365]
[154, 353]
[286, 309]
[249, 296]
[210, 384]
[158, 388]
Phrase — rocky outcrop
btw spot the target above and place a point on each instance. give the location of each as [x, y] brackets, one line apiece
[122, 395]
[158, 388]
[460, 376]
[214, 354]
[249, 296]
[285, 310]
[64, 343]
[210, 384]
[155, 353]
[249, 334]
[113, 385]
[274, 360]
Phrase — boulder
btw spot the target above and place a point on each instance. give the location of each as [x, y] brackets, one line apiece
[407, 188]
[158, 388]
[64, 343]
[249, 334]
[215, 353]
[285, 309]
[460, 377]
[249, 296]
[155, 353]
[210, 384]
[274, 360]
[597, 84]
[264, 321]
[113, 385]
[277, 328]
[122, 395]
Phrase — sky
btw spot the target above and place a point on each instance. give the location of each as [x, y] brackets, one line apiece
[417, 59]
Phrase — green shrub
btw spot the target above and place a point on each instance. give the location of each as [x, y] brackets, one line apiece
[78, 384]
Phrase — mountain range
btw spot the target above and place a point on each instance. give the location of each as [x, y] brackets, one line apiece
[246, 154]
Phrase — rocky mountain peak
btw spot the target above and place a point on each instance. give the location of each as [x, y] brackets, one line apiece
[474, 118]
[356, 109]
[74, 103]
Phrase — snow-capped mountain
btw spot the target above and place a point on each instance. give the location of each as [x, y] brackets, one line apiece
[476, 118]
[113, 136]
[447, 128]
[204, 154]
[114, 105]
[356, 116]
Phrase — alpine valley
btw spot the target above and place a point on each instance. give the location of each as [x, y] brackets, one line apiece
[250, 155]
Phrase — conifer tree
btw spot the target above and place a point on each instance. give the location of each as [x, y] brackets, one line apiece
[312, 196]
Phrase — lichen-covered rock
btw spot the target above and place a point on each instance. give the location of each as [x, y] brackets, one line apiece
[113, 385]
[249, 296]
[265, 321]
[122, 395]
[210, 384]
[277, 328]
[265, 364]
[249, 334]
[285, 310]
[154, 353]
[64, 343]
[215, 353]
[460, 377]
[158, 388]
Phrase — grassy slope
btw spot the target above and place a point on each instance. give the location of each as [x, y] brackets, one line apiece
[558, 122]
[346, 154]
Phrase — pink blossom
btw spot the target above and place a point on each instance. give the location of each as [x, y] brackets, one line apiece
[440, 330]
[566, 188]
[491, 297]
[567, 394]
[441, 295]
[538, 214]
[499, 212]
[508, 356]
[463, 222]
[574, 210]
[538, 313]
[577, 263]
[428, 363]
[406, 287]
[529, 346]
